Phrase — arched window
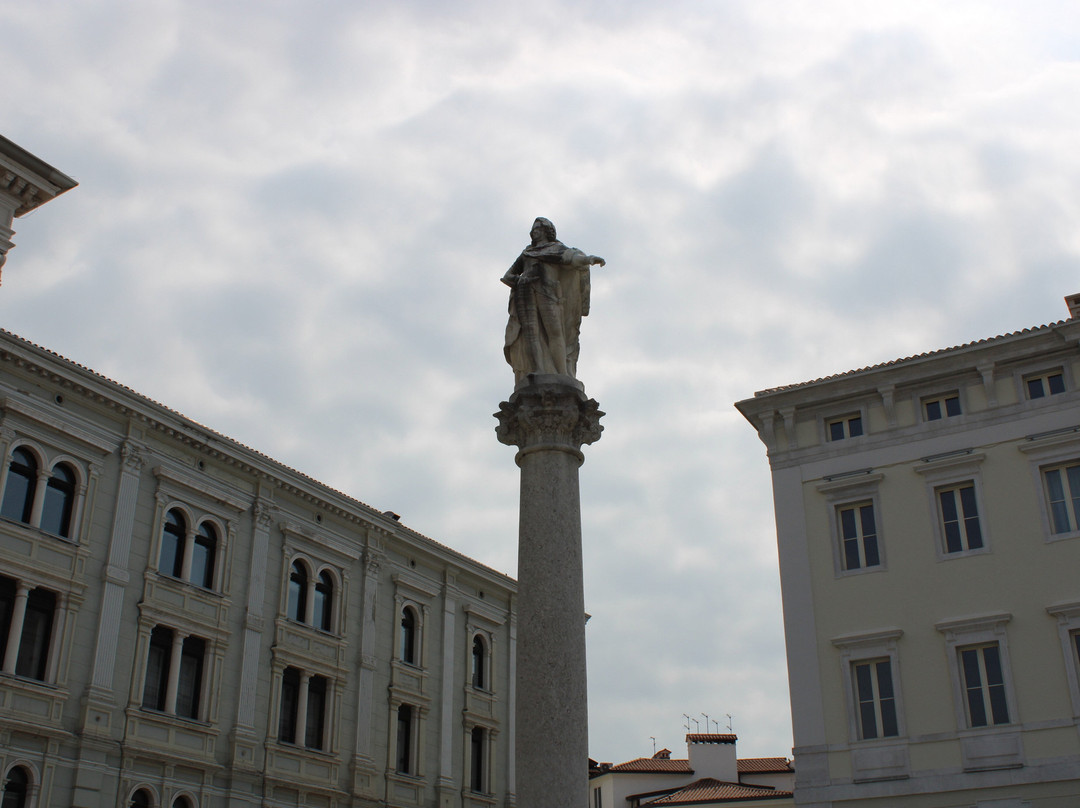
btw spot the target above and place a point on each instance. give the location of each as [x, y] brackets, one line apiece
[202, 559]
[408, 635]
[404, 739]
[173, 536]
[59, 501]
[141, 799]
[323, 604]
[479, 658]
[181, 802]
[476, 761]
[298, 584]
[19, 489]
[15, 788]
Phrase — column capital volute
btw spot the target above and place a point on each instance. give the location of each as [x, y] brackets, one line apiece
[549, 413]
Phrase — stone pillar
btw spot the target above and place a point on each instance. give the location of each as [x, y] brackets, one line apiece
[549, 418]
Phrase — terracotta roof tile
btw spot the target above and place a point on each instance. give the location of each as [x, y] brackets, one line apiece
[711, 737]
[710, 790]
[904, 359]
[767, 764]
[654, 765]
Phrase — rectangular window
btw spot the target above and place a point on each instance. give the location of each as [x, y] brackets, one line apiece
[1045, 384]
[37, 627]
[316, 713]
[598, 801]
[404, 739]
[290, 700]
[1063, 497]
[476, 761]
[858, 536]
[946, 406]
[984, 685]
[876, 699]
[189, 687]
[157, 668]
[960, 518]
[850, 426]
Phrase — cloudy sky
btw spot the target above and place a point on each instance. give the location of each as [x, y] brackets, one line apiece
[292, 219]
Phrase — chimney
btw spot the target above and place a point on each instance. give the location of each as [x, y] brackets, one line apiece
[1073, 302]
[713, 755]
[25, 184]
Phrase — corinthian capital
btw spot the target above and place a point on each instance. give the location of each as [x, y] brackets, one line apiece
[549, 415]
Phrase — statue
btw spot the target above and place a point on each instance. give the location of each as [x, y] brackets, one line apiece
[549, 294]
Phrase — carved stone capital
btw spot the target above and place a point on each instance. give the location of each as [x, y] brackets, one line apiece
[131, 456]
[548, 415]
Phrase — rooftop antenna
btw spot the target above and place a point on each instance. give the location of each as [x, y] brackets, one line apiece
[653, 744]
[729, 729]
[697, 725]
[716, 725]
[706, 721]
[687, 724]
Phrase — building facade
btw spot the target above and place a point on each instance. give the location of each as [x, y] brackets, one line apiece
[927, 519]
[185, 622]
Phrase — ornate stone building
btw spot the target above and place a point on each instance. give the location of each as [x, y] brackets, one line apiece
[186, 623]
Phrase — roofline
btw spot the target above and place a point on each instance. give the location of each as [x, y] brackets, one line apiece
[81, 380]
[56, 182]
[773, 397]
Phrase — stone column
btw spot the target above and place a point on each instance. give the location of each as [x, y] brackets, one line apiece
[549, 418]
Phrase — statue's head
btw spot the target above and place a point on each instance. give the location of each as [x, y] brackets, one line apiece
[542, 230]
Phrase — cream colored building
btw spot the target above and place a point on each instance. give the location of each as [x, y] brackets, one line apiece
[927, 518]
[710, 774]
[186, 623]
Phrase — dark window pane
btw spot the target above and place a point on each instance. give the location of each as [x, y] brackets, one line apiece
[855, 426]
[973, 685]
[190, 688]
[971, 517]
[157, 668]
[7, 606]
[408, 636]
[933, 410]
[18, 500]
[15, 788]
[290, 700]
[1059, 513]
[836, 430]
[870, 545]
[59, 500]
[324, 591]
[202, 556]
[889, 726]
[33, 656]
[173, 536]
[952, 405]
[476, 751]
[297, 592]
[1035, 388]
[316, 713]
[140, 799]
[1056, 382]
[867, 714]
[404, 739]
[478, 662]
[950, 521]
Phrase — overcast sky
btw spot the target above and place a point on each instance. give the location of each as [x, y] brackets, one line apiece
[292, 219]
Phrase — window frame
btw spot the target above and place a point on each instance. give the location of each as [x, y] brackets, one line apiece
[850, 491]
[1067, 616]
[184, 569]
[37, 649]
[39, 497]
[952, 471]
[875, 646]
[195, 649]
[1043, 377]
[308, 592]
[974, 632]
[844, 421]
[942, 401]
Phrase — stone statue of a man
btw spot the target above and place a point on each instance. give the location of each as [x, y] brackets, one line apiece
[549, 294]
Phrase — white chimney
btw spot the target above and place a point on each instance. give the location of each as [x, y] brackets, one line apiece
[713, 755]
